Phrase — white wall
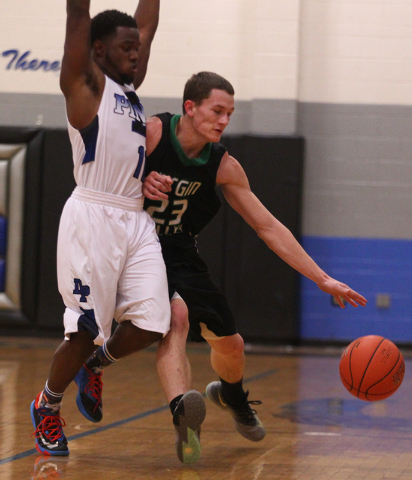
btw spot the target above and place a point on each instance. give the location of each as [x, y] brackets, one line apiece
[356, 51]
[335, 51]
[252, 42]
[36, 26]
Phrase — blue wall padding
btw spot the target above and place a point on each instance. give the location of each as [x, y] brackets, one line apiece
[2, 275]
[370, 266]
[3, 236]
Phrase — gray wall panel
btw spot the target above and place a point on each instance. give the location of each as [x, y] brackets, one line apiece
[273, 117]
[358, 170]
[28, 110]
[266, 117]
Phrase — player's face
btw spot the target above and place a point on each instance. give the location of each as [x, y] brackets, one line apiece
[121, 57]
[212, 116]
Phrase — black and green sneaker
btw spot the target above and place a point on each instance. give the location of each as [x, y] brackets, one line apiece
[245, 418]
[187, 419]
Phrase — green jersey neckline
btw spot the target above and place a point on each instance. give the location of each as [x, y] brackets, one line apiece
[196, 162]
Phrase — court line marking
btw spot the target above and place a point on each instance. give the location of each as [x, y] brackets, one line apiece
[27, 453]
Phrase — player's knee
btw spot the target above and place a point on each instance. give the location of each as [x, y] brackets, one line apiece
[143, 338]
[232, 346]
[179, 317]
[238, 345]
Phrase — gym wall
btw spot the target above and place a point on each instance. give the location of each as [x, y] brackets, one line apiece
[37, 181]
[336, 73]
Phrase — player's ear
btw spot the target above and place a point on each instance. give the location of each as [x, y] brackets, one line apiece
[189, 107]
[99, 48]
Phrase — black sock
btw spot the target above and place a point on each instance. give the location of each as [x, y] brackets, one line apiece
[174, 402]
[234, 393]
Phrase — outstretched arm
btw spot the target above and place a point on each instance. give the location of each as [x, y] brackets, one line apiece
[236, 189]
[147, 18]
[81, 81]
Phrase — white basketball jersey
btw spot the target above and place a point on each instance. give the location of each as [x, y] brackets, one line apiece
[109, 155]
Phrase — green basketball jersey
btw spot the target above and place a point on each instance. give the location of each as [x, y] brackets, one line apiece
[193, 201]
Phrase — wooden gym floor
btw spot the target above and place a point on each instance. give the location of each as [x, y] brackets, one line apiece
[315, 429]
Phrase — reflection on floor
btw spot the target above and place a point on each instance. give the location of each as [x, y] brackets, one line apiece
[315, 429]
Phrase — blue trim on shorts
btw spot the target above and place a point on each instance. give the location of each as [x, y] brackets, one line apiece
[87, 322]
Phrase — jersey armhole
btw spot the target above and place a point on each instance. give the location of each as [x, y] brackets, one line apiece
[163, 117]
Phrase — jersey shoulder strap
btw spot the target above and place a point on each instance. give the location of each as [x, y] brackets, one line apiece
[165, 138]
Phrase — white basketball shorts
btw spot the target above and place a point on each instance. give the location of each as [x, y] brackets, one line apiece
[110, 266]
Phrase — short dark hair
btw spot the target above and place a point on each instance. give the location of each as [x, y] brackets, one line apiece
[200, 85]
[105, 23]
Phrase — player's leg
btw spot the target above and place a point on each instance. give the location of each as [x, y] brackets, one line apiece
[212, 319]
[128, 338]
[142, 310]
[228, 361]
[45, 409]
[187, 406]
[145, 278]
[173, 366]
[100, 229]
[68, 358]
[228, 358]
[80, 330]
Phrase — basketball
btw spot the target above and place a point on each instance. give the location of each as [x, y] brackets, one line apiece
[371, 368]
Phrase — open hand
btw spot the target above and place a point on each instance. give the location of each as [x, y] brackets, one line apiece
[342, 293]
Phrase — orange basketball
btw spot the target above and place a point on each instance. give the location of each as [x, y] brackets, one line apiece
[372, 368]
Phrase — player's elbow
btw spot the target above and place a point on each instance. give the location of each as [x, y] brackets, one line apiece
[265, 232]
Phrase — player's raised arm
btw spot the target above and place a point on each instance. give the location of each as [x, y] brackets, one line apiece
[236, 189]
[147, 18]
[81, 81]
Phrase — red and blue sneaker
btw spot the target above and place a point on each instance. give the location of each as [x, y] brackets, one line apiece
[50, 439]
[89, 396]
